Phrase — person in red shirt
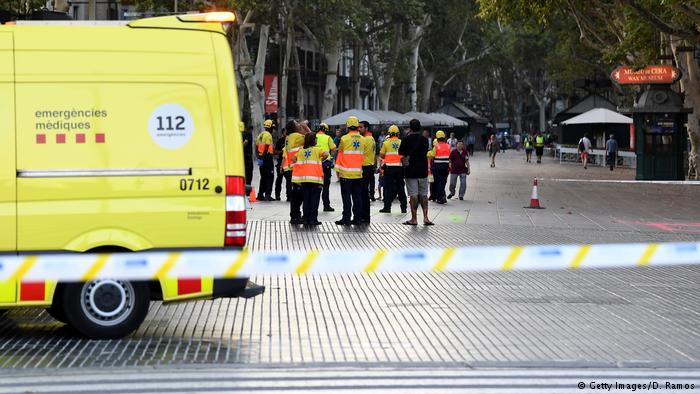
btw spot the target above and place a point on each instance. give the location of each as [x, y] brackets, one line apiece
[459, 169]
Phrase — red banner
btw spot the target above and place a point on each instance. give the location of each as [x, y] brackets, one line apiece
[648, 75]
[271, 93]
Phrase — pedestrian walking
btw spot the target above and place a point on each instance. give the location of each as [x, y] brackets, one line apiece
[247, 137]
[440, 154]
[452, 141]
[516, 141]
[459, 169]
[492, 148]
[414, 149]
[308, 175]
[611, 151]
[348, 165]
[529, 144]
[539, 146]
[279, 167]
[325, 142]
[266, 161]
[471, 141]
[294, 143]
[368, 168]
[393, 171]
[584, 148]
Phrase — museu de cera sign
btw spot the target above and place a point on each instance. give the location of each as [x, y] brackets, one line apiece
[650, 75]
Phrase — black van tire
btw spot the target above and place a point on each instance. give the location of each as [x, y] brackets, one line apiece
[56, 311]
[105, 309]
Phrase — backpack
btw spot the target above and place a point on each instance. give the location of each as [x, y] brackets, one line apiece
[581, 146]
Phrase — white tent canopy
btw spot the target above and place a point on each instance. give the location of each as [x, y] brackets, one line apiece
[598, 116]
[425, 119]
[341, 118]
[392, 117]
[448, 120]
[435, 119]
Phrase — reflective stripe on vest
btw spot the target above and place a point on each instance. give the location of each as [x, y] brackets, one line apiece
[392, 158]
[309, 169]
[265, 138]
[290, 157]
[442, 153]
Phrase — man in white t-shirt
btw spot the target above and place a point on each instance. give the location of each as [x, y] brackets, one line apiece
[516, 139]
[452, 142]
[584, 148]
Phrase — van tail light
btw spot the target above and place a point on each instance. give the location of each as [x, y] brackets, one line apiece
[235, 211]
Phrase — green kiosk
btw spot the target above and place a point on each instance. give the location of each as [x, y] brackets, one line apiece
[659, 121]
[660, 135]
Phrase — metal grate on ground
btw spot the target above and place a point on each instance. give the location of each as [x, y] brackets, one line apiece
[596, 318]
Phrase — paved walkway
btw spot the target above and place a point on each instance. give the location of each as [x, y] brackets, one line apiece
[622, 319]
[496, 197]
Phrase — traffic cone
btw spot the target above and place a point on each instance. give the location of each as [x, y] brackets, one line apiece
[535, 199]
[252, 197]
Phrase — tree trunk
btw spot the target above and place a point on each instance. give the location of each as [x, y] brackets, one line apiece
[426, 90]
[416, 36]
[301, 113]
[384, 76]
[542, 104]
[253, 77]
[356, 99]
[690, 84]
[332, 53]
[284, 79]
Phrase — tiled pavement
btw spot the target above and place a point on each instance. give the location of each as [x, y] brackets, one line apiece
[623, 318]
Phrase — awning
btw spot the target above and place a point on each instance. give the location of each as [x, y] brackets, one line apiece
[341, 118]
[425, 119]
[447, 120]
[598, 116]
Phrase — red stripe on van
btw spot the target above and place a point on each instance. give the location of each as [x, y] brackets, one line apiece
[189, 286]
[32, 291]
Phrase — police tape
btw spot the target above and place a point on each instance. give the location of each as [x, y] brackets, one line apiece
[229, 264]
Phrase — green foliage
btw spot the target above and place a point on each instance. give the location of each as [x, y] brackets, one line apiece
[21, 7]
[623, 31]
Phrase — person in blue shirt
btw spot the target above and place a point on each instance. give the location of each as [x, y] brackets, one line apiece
[611, 151]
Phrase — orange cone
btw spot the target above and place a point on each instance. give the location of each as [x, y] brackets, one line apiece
[252, 197]
[534, 199]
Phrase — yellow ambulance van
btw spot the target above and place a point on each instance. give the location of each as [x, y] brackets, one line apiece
[117, 138]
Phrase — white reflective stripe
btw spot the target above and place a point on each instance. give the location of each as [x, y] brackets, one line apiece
[308, 162]
[236, 226]
[295, 150]
[393, 164]
[392, 153]
[307, 178]
[337, 167]
[103, 172]
[235, 203]
[235, 234]
[441, 161]
[353, 152]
